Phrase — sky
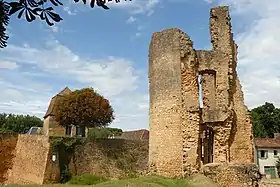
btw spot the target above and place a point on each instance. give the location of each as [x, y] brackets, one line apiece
[108, 51]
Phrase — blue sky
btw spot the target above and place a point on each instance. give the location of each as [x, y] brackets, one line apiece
[108, 50]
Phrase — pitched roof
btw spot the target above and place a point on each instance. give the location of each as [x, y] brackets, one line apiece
[267, 142]
[141, 134]
[54, 101]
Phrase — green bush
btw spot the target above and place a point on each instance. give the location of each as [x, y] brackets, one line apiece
[87, 179]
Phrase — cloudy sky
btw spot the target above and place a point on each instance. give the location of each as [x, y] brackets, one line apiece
[108, 50]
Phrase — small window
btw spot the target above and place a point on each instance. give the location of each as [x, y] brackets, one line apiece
[263, 154]
[68, 130]
[275, 152]
[80, 131]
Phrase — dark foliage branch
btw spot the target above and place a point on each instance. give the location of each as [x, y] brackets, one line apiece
[4, 21]
[44, 9]
[32, 9]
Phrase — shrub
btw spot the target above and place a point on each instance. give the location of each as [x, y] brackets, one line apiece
[87, 179]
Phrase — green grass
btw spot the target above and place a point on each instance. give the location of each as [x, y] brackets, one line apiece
[147, 181]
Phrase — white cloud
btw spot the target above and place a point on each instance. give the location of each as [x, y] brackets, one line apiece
[131, 19]
[136, 6]
[8, 65]
[259, 52]
[133, 7]
[115, 78]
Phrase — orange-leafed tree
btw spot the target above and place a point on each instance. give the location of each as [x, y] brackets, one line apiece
[84, 108]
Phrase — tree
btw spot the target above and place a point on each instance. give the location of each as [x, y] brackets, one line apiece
[84, 108]
[32, 9]
[103, 133]
[18, 123]
[266, 120]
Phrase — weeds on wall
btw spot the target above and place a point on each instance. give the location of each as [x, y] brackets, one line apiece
[119, 154]
[65, 147]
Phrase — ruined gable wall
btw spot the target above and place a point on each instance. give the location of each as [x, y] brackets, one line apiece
[30, 160]
[214, 67]
[165, 142]
[229, 94]
[190, 109]
[241, 145]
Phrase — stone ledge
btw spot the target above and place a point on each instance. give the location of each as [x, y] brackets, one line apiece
[232, 175]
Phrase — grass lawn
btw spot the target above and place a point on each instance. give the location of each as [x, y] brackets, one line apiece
[148, 181]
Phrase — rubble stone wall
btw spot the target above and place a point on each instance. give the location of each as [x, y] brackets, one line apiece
[176, 120]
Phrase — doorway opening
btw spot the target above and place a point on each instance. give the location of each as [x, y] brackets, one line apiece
[207, 145]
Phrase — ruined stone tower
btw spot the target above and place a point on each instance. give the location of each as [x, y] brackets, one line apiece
[183, 134]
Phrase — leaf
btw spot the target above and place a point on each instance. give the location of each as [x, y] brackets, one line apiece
[92, 3]
[20, 13]
[55, 16]
[15, 6]
[48, 21]
[102, 4]
[43, 15]
[49, 9]
[54, 2]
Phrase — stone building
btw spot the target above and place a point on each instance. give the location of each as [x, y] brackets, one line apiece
[50, 126]
[185, 135]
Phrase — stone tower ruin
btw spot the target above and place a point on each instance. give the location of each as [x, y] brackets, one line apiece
[184, 135]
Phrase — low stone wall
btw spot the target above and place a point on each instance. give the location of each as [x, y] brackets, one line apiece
[35, 159]
[8, 142]
[30, 160]
[114, 158]
[233, 175]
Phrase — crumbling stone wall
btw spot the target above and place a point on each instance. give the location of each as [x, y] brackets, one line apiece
[177, 123]
[112, 158]
[8, 142]
[30, 161]
[233, 175]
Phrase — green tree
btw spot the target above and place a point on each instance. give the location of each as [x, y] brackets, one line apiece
[103, 133]
[18, 123]
[84, 108]
[266, 120]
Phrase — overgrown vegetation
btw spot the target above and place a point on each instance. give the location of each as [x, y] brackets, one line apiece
[65, 147]
[115, 154]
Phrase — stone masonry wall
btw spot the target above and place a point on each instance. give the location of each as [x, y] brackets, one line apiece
[112, 158]
[190, 111]
[30, 161]
[233, 175]
[165, 142]
[8, 142]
